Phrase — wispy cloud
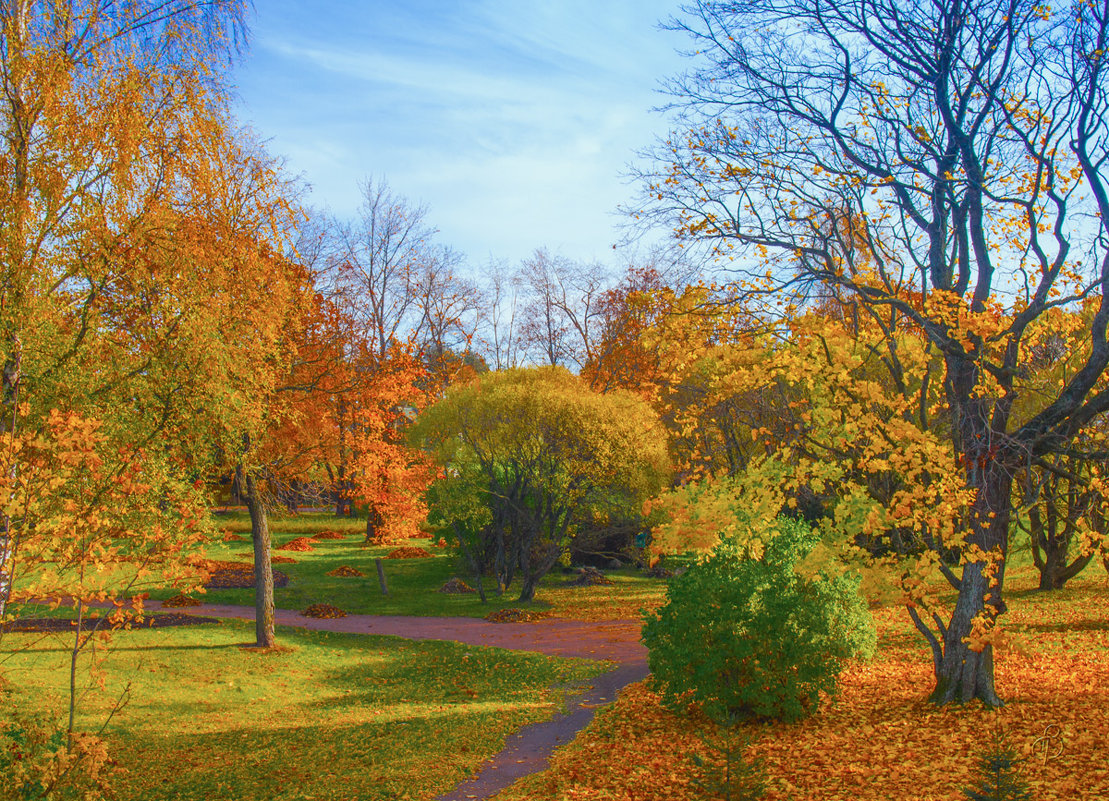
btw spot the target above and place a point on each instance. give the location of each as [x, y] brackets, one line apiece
[512, 121]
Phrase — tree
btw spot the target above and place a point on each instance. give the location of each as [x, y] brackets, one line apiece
[940, 166]
[139, 300]
[539, 449]
[562, 308]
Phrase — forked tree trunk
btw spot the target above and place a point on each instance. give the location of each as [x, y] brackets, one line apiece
[263, 569]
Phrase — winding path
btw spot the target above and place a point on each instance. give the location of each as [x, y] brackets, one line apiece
[529, 749]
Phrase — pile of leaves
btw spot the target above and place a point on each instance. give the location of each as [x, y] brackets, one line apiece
[346, 571]
[301, 544]
[233, 575]
[456, 586]
[229, 537]
[515, 615]
[330, 535]
[660, 572]
[407, 552]
[180, 600]
[590, 577]
[323, 611]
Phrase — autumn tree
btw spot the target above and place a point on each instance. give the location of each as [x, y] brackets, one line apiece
[140, 291]
[526, 453]
[967, 144]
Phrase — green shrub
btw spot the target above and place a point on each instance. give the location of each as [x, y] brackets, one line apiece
[745, 636]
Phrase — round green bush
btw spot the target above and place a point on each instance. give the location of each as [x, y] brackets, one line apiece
[747, 637]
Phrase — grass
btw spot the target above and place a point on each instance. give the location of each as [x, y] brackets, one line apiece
[337, 716]
[412, 583]
[880, 739]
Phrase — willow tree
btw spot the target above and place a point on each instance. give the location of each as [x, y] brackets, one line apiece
[526, 454]
[939, 165]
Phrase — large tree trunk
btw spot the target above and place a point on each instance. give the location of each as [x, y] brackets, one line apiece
[963, 674]
[263, 572]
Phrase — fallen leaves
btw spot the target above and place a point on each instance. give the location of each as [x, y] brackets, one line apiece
[346, 571]
[881, 739]
[407, 552]
[302, 544]
[515, 615]
[323, 611]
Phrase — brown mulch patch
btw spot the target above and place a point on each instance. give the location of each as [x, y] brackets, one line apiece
[456, 586]
[180, 601]
[234, 575]
[299, 544]
[407, 552]
[330, 535]
[323, 611]
[590, 577]
[515, 615]
[346, 571]
[274, 558]
[61, 624]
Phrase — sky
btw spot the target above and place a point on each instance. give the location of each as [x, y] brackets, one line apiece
[512, 121]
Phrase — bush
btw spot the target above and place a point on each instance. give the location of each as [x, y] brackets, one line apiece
[743, 635]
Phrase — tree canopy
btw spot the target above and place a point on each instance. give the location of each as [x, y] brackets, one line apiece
[526, 453]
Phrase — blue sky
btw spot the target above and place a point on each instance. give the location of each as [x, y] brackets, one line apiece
[511, 121]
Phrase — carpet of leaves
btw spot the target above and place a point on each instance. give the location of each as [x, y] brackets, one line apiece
[407, 552]
[881, 739]
[302, 544]
[346, 571]
[515, 615]
[179, 600]
[323, 611]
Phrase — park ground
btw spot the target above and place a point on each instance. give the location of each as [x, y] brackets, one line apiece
[333, 715]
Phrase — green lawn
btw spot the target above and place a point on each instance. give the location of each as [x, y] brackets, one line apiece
[412, 583]
[337, 717]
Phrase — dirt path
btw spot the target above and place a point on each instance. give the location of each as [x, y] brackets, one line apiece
[529, 749]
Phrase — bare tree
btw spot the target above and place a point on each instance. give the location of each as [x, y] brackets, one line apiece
[378, 264]
[562, 309]
[499, 322]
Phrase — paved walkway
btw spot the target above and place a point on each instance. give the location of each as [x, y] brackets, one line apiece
[529, 750]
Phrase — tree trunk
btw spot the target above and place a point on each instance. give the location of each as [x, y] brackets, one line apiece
[11, 378]
[373, 523]
[963, 674]
[263, 572]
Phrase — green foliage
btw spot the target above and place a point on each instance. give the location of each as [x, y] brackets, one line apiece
[744, 635]
[998, 778]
